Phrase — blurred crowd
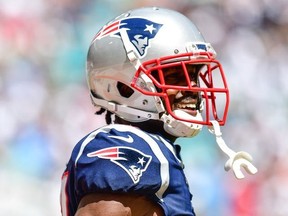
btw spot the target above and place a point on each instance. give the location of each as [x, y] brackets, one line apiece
[45, 107]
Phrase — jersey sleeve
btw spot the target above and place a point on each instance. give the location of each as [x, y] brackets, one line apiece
[118, 160]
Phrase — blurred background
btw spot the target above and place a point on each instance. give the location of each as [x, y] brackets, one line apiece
[45, 108]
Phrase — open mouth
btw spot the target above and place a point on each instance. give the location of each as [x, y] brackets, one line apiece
[189, 108]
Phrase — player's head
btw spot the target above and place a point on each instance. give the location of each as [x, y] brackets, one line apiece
[154, 64]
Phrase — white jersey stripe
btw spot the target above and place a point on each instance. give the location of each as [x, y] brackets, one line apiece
[87, 141]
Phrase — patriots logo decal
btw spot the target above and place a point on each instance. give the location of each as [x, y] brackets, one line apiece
[138, 31]
[133, 161]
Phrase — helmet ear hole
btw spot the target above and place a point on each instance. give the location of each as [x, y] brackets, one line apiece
[124, 90]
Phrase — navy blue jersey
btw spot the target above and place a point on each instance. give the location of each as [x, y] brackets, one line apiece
[124, 159]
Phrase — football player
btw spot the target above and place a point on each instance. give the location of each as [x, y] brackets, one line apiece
[156, 78]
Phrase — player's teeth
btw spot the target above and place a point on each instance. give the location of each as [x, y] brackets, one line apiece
[183, 106]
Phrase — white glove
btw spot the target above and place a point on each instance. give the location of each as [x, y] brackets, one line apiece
[236, 159]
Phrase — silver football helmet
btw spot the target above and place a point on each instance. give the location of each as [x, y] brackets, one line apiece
[127, 64]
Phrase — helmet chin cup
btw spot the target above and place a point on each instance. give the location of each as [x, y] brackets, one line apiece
[180, 128]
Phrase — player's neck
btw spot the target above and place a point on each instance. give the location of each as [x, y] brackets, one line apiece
[150, 126]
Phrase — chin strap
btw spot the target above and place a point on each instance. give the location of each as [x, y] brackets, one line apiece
[236, 159]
